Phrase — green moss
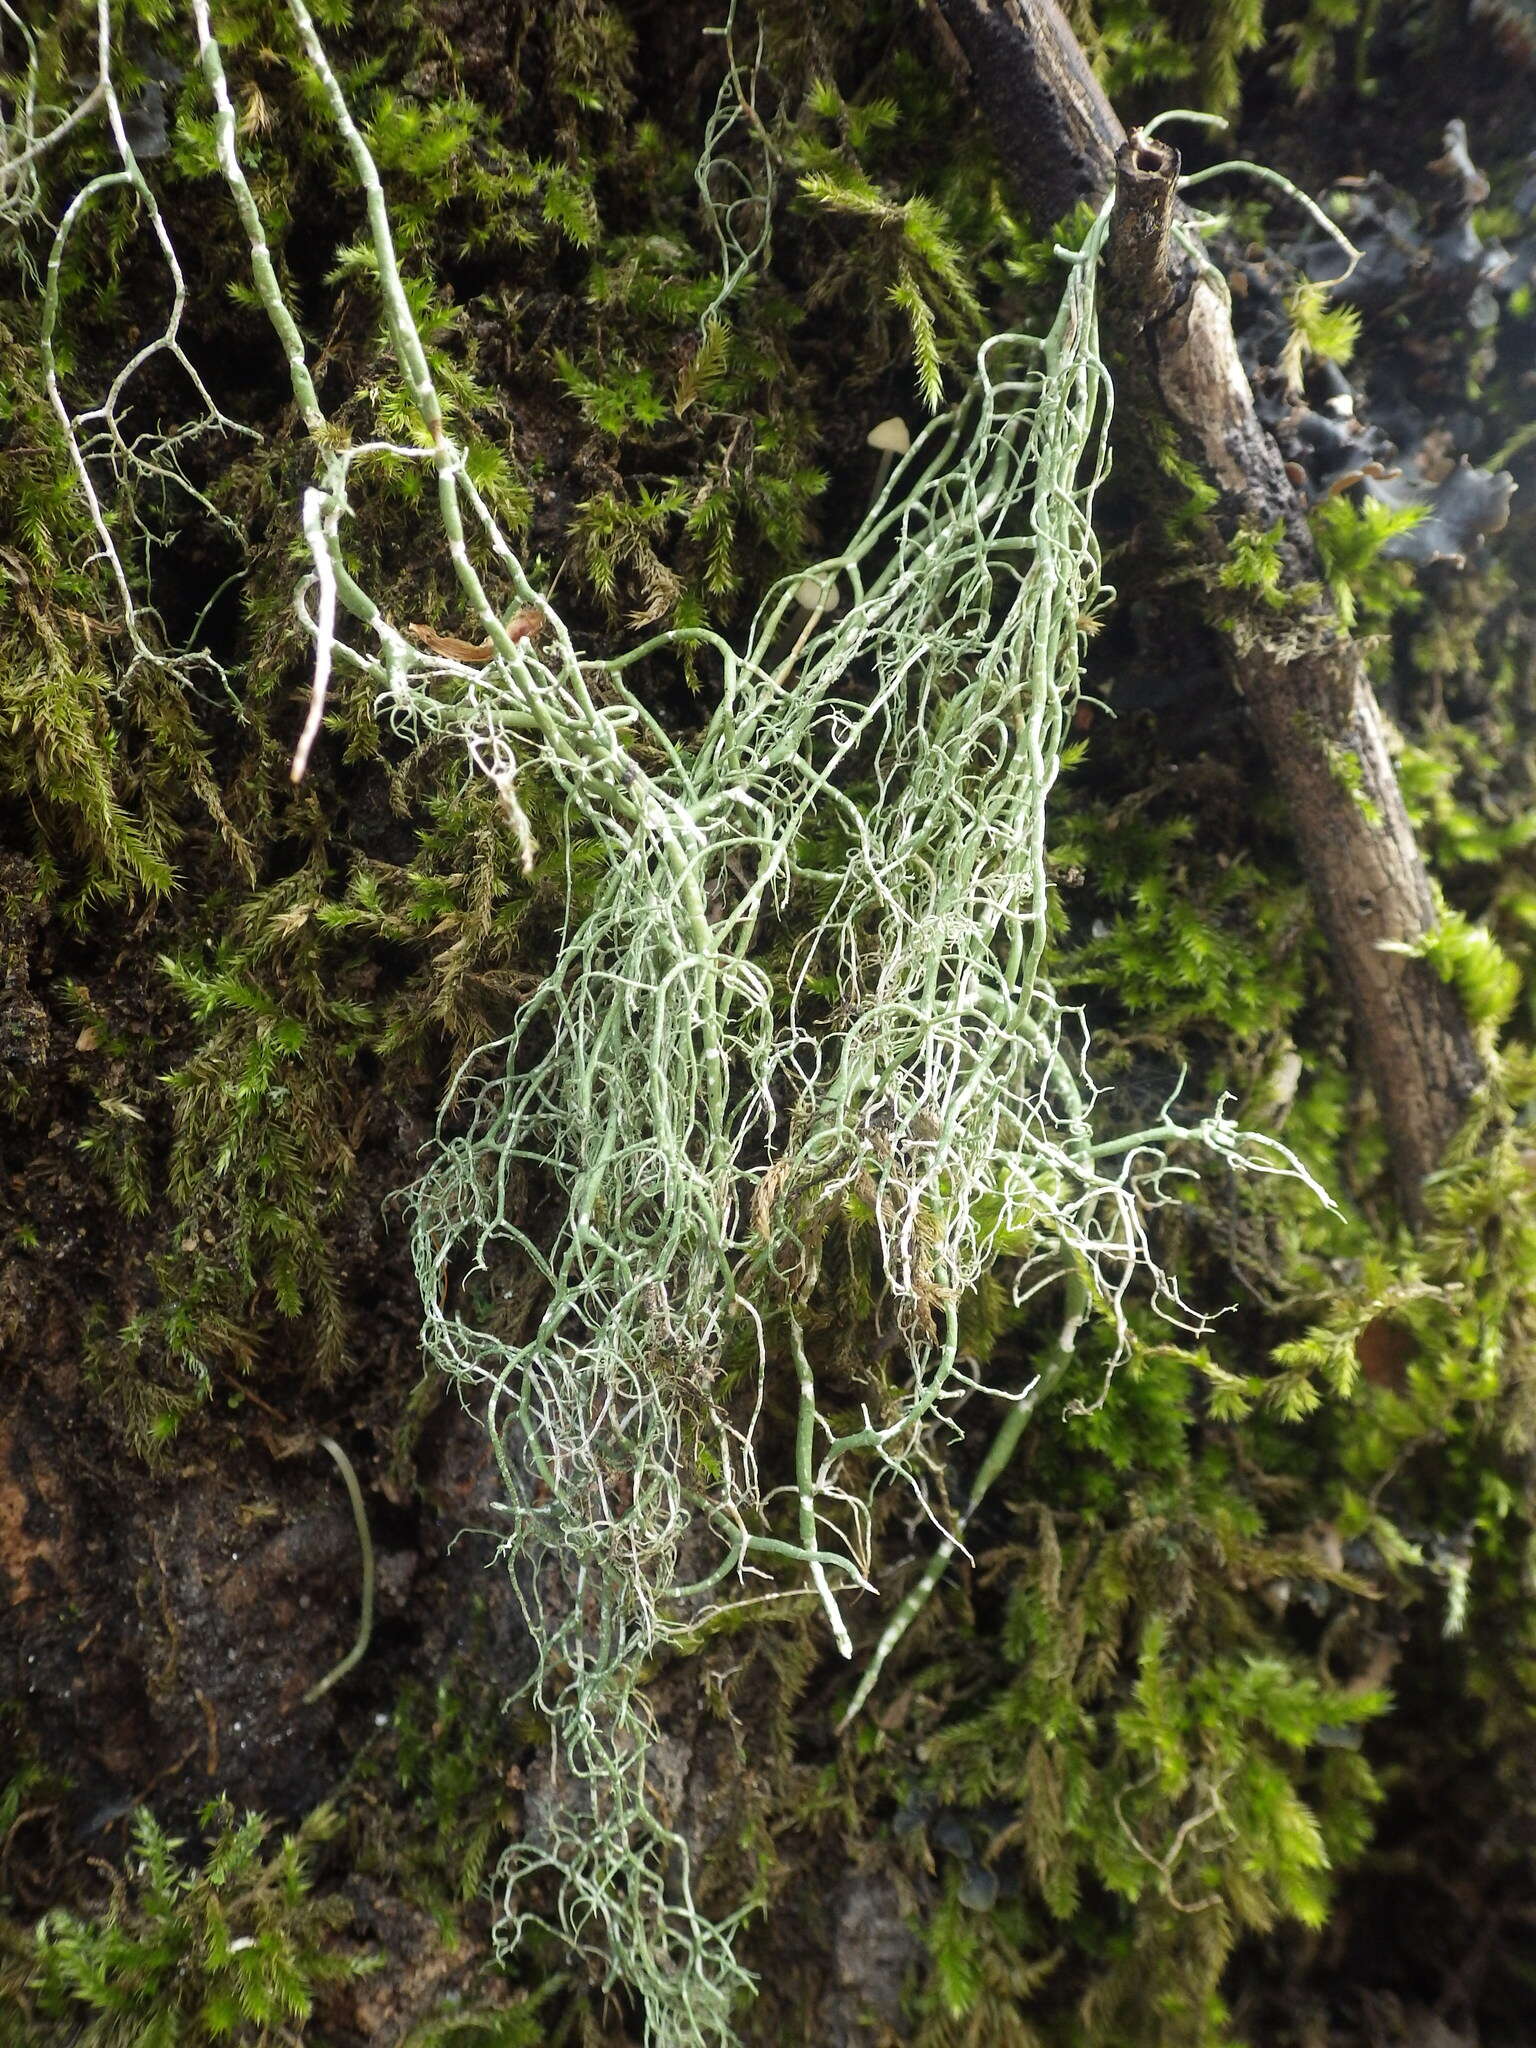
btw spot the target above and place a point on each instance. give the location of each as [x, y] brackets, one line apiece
[235, 1947]
[1347, 770]
[523, 2023]
[1183, 945]
[1366, 587]
[1126, 1778]
[1255, 564]
[1158, 49]
[1467, 956]
[440, 1753]
[914, 260]
[1113, 1760]
[1322, 330]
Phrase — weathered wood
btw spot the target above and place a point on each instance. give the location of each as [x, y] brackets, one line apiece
[1304, 680]
[1055, 131]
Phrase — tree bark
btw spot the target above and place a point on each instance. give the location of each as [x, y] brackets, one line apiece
[1304, 680]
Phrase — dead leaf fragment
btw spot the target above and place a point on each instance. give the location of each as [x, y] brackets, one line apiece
[523, 625]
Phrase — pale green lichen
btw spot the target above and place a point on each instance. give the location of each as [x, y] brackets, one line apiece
[874, 778]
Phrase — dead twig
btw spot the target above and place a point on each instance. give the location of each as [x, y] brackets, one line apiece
[1303, 678]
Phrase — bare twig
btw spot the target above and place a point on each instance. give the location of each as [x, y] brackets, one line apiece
[1303, 678]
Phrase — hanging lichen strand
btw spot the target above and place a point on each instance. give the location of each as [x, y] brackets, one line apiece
[866, 810]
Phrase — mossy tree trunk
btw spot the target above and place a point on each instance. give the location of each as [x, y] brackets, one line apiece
[1119, 1784]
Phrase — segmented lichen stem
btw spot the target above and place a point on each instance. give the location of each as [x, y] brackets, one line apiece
[1020, 1411]
[737, 195]
[360, 1641]
[24, 139]
[113, 466]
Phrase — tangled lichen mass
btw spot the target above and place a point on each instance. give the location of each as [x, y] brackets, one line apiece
[804, 1002]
